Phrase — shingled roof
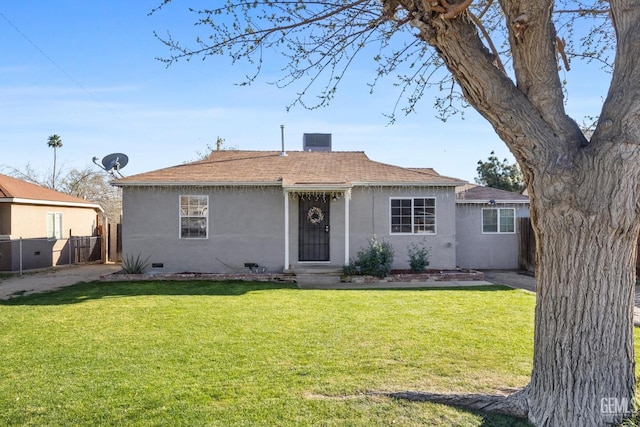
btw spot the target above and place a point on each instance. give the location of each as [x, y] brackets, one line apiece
[296, 169]
[13, 190]
[471, 193]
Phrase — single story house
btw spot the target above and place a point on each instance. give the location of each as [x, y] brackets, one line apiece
[285, 211]
[35, 223]
[487, 234]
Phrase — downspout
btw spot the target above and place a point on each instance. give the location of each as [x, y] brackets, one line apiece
[347, 199]
[286, 230]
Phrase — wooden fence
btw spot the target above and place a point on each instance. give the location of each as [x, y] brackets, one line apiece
[527, 252]
[114, 242]
[86, 248]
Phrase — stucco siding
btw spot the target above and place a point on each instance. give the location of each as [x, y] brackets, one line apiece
[476, 250]
[370, 215]
[248, 226]
[245, 226]
[29, 222]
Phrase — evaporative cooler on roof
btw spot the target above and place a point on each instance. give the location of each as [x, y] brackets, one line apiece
[316, 142]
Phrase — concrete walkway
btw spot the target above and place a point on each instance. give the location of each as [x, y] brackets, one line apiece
[54, 278]
[512, 278]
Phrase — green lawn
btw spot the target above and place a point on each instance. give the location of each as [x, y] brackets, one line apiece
[232, 354]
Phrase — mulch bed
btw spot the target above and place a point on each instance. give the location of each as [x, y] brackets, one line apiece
[395, 276]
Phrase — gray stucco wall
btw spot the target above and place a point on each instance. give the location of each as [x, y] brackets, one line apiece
[370, 215]
[476, 250]
[247, 225]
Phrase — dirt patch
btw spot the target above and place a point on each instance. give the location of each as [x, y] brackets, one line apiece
[54, 278]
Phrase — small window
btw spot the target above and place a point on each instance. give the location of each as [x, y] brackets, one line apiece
[498, 220]
[413, 216]
[194, 217]
[54, 225]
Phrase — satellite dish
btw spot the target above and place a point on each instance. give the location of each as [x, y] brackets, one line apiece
[112, 163]
[115, 161]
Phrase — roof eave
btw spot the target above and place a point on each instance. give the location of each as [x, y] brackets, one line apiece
[195, 184]
[486, 202]
[279, 183]
[410, 184]
[317, 187]
[21, 201]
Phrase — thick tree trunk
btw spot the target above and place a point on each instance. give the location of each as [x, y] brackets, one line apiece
[584, 360]
[583, 368]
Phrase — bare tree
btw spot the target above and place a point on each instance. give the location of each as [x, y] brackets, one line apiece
[93, 185]
[88, 184]
[219, 146]
[507, 59]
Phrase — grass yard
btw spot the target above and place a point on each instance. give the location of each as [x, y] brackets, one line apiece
[256, 354]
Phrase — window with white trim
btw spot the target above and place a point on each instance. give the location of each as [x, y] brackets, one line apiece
[498, 220]
[54, 225]
[413, 215]
[194, 217]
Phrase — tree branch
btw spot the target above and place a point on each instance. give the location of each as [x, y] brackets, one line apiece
[451, 11]
[535, 62]
[254, 37]
[488, 89]
[560, 46]
[622, 101]
[487, 37]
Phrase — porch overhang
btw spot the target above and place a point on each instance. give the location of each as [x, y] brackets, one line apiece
[317, 187]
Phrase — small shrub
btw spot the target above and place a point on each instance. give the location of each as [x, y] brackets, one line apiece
[134, 264]
[418, 257]
[350, 269]
[376, 260]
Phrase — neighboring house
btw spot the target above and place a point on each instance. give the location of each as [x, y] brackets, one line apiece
[44, 218]
[284, 212]
[487, 227]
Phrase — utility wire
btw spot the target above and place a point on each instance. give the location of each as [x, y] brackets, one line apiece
[43, 53]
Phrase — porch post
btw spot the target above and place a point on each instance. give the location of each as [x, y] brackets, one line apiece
[347, 198]
[286, 230]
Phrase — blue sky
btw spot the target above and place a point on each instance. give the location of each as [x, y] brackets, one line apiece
[87, 71]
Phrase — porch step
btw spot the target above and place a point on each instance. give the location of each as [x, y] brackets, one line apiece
[317, 270]
[309, 278]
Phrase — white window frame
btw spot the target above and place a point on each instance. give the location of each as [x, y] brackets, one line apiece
[194, 215]
[54, 225]
[413, 216]
[498, 212]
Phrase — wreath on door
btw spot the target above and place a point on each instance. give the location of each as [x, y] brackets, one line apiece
[315, 215]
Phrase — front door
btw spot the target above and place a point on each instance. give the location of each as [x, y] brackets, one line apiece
[313, 229]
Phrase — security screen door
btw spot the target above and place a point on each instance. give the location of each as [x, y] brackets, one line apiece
[313, 229]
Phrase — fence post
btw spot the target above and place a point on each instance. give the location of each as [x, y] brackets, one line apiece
[20, 245]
